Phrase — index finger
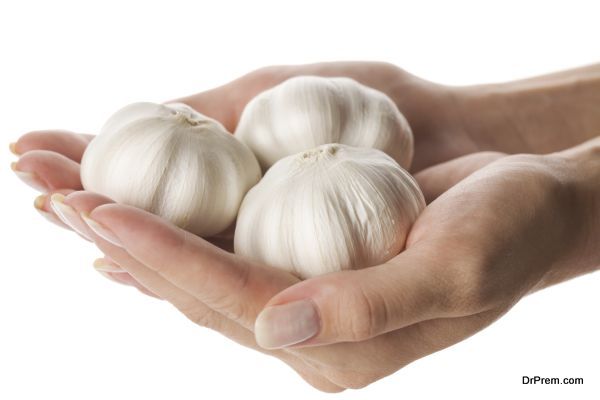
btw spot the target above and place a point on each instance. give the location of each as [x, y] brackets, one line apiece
[225, 282]
[69, 144]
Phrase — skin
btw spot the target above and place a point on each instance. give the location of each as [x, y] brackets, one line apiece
[518, 224]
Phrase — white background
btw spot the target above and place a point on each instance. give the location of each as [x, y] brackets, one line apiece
[68, 333]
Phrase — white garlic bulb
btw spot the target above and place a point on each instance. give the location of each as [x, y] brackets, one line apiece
[307, 111]
[328, 209]
[172, 161]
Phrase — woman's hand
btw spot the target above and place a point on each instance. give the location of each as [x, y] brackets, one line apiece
[432, 110]
[49, 160]
[517, 225]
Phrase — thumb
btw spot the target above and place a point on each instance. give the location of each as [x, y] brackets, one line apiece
[351, 306]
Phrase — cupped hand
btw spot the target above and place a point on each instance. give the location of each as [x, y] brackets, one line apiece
[49, 160]
[447, 285]
[504, 231]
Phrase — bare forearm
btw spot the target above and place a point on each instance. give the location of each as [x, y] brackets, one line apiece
[585, 170]
[537, 115]
[579, 170]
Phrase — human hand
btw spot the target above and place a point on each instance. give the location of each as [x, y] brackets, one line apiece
[447, 122]
[49, 160]
[52, 156]
[517, 225]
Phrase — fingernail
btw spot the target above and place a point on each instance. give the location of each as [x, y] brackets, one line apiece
[101, 230]
[101, 264]
[68, 215]
[288, 324]
[13, 148]
[30, 178]
[38, 204]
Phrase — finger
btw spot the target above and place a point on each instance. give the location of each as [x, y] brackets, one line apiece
[47, 171]
[69, 216]
[215, 103]
[223, 281]
[78, 203]
[110, 269]
[69, 144]
[71, 208]
[352, 306]
[154, 283]
[150, 282]
[42, 205]
[201, 315]
[226, 103]
[124, 278]
[437, 179]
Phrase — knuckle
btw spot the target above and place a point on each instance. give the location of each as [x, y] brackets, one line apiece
[361, 314]
[202, 317]
[230, 304]
[232, 308]
[243, 277]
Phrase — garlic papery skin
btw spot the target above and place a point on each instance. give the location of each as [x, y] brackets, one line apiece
[307, 111]
[332, 208]
[174, 162]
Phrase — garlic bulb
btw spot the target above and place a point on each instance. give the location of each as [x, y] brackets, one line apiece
[328, 209]
[307, 111]
[172, 161]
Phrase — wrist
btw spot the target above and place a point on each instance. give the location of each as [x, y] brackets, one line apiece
[537, 115]
[584, 172]
[435, 116]
[578, 172]
[504, 117]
